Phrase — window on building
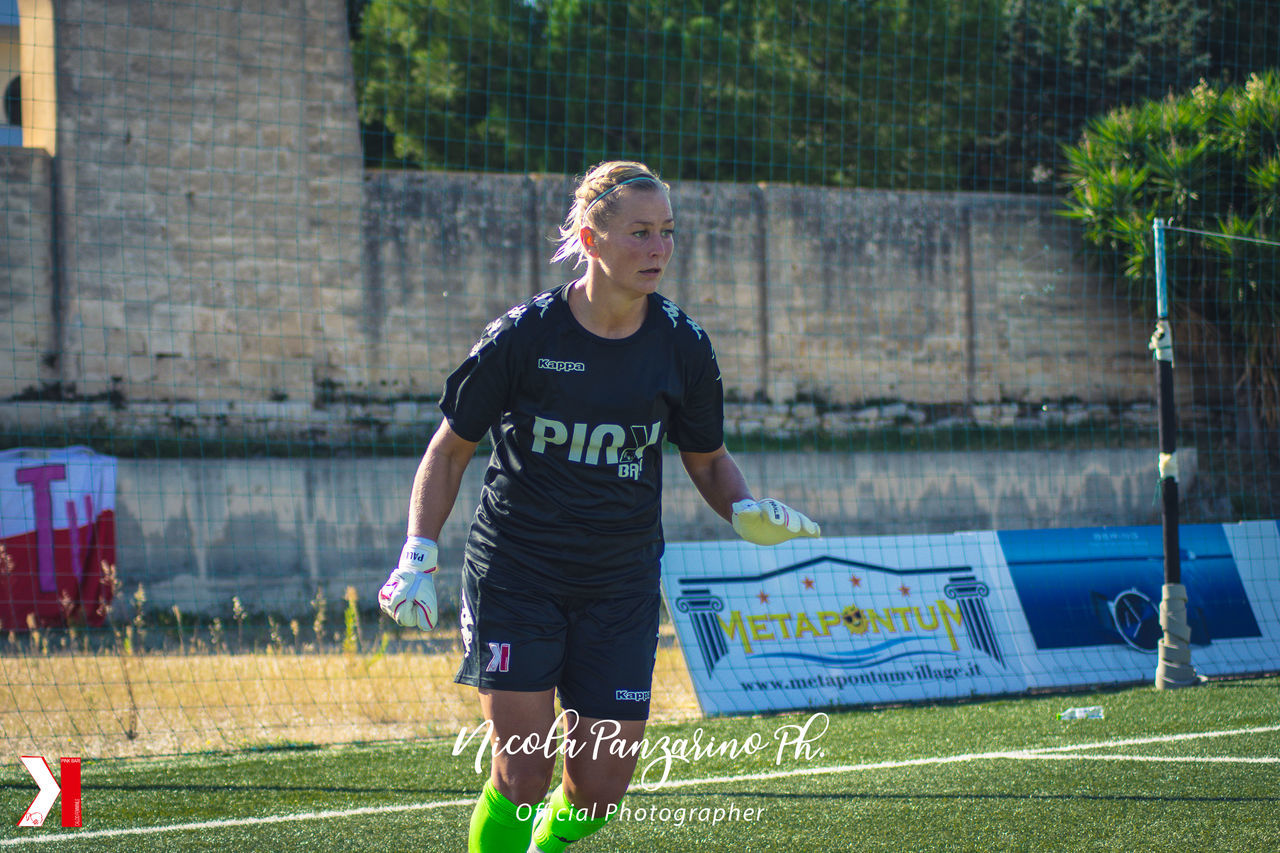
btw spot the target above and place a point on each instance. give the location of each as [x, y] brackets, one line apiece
[10, 65]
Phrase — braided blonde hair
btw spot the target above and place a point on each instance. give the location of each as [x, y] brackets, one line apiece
[594, 202]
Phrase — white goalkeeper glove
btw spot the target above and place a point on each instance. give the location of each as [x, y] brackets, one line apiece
[768, 522]
[409, 595]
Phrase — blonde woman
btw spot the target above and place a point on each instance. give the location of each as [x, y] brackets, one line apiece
[577, 388]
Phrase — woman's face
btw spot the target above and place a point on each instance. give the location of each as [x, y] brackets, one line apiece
[634, 246]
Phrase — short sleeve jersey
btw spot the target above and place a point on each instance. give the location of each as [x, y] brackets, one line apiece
[572, 495]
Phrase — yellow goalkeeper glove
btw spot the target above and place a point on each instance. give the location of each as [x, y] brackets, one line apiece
[769, 522]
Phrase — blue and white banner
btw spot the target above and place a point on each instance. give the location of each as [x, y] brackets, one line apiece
[817, 623]
[1090, 599]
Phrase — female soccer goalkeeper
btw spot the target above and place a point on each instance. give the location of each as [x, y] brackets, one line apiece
[577, 387]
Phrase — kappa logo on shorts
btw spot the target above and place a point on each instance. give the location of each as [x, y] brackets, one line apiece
[466, 621]
[631, 696]
[499, 657]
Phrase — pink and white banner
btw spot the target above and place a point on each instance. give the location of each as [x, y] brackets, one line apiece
[57, 537]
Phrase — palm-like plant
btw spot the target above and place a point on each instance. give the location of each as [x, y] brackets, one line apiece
[1209, 161]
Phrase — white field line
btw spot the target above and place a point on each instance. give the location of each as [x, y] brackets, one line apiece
[1138, 741]
[247, 821]
[1046, 753]
[1189, 759]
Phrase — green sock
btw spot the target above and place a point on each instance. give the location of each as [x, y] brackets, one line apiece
[561, 823]
[496, 826]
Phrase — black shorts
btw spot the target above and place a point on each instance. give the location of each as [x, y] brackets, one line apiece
[598, 652]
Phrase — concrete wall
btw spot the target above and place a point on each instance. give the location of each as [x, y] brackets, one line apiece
[28, 321]
[272, 531]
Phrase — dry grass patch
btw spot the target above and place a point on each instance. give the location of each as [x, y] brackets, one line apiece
[112, 704]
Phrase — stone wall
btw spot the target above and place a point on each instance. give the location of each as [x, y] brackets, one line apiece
[843, 296]
[28, 321]
[207, 257]
[210, 179]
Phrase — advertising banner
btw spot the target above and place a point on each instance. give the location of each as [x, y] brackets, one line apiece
[825, 622]
[57, 537]
[846, 621]
[1090, 598]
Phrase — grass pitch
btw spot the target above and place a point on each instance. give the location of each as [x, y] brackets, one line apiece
[1195, 769]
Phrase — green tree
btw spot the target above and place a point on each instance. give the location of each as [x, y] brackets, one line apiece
[1209, 160]
[447, 78]
[876, 93]
[1071, 59]
[711, 90]
[692, 87]
[919, 94]
[914, 81]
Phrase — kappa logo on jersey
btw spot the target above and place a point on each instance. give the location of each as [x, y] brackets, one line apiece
[543, 301]
[673, 313]
[497, 326]
[499, 657]
[562, 366]
[488, 335]
[515, 313]
[586, 444]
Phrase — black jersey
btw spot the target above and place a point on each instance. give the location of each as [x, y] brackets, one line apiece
[572, 496]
